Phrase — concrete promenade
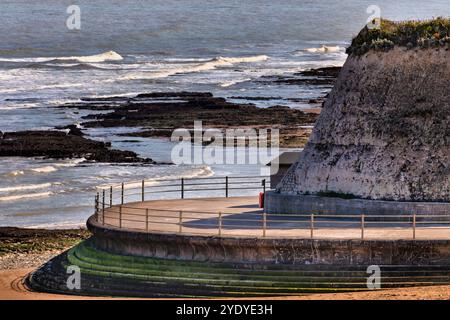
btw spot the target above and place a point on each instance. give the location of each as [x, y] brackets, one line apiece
[241, 217]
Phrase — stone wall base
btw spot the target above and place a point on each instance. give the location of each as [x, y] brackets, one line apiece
[307, 204]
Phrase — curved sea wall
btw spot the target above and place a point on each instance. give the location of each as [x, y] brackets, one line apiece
[383, 132]
[268, 251]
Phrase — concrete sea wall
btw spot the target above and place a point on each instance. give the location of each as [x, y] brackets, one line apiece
[279, 203]
[269, 250]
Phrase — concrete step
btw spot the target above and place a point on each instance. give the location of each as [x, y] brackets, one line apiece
[149, 270]
[110, 274]
[95, 257]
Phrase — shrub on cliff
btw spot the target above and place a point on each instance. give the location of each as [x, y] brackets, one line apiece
[410, 34]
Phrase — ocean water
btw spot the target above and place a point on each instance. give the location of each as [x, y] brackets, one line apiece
[127, 47]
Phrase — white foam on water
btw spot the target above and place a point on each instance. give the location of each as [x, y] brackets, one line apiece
[115, 66]
[230, 83]
[59, 225]
[11, 106]
[202, 172]
[71, 163]
[324, 49]
[16, 173]
[46, 169]
[35, 87]
[26, 196]
[102, 57]
[26, 187]
[225, 60]
[192, 68]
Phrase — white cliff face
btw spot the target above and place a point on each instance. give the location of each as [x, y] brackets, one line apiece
[383, 132]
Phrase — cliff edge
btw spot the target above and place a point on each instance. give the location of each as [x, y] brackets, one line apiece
[384, 130]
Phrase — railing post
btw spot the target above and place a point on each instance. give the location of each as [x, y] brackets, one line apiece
[143, 190]
[182, 188]
[312, 226]
[362, 226]
[220, 223]
[414, 226]
[226, 187]
[96, 208]
[264, 223]
[180, 222]
[110, 196]
[123, 193]
[103, 207]
[120, 217]
[146, 219]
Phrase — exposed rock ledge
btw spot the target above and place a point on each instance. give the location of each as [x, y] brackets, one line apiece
[383, 132]
[60, 145]
[160, 113]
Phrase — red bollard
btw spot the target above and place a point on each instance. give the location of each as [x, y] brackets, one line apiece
[261, 199]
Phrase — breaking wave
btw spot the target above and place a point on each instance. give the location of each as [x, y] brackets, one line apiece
[102, 57]
[71, 66]
[201, 172]
[26, 196]
[197, 67]
[26, 187]
[70, 163]
[230, 83]
[324, 49]
[46, 169]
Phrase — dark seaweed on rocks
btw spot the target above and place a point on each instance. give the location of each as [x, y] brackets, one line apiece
[213, 111]
[315, 77]
[62, 145]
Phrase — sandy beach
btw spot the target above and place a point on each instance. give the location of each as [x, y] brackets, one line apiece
[19, 262]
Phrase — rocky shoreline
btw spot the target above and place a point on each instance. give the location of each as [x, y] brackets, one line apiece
[160, 118]
[23, 248]
[158, 114]
[24, 240]
[179, 110]
[318, 77]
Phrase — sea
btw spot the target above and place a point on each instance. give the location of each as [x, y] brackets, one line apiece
[127, 47]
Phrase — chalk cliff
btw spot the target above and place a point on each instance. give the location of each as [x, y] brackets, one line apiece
[384, 130]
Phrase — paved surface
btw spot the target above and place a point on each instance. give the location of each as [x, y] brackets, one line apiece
[241, 217]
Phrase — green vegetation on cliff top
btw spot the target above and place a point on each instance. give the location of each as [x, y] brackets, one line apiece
[410, 34]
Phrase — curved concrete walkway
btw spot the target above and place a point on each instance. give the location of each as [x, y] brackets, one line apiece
[242, 217]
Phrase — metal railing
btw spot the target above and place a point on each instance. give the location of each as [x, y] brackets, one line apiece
[122, 206]
[179, 188]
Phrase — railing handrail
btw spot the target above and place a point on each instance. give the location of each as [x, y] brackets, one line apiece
[318, 215]
[261, 222]
[156, 180]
